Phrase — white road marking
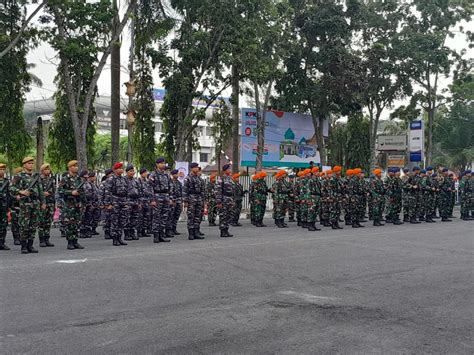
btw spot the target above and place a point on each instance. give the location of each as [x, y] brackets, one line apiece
[71, 261]
[306, 296]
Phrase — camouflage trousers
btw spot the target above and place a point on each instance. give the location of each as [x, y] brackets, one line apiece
[335, 210]
[297, 210]
[175, 213]
[133, 216]
[444, 204]
[225, 212]
[466, 204]
[291, 208]
[429, 202]
[28, 220]
[393, 208]
[314, 208]
[377, 207]
[279, 208]
[106, 216]
[413, 205]
[45, 220]
[14, 222]
[160, 213]
[304, 208]
[212, 211]
[71, 214]
[119, 217]
[87, 221]
[3, 221]
[236, 211]
[257, 210]
[452, 203]
[146, 217]
[195, 211]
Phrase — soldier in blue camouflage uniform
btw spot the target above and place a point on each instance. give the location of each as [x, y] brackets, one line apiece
[133, 201]
[211, 201]
[161, 185]
[146, 193]
[193, 197]
[4, 202]
[239, 198]
[224, 191]
[280, 191]
[116, 200]
[105, 211]
[45, 220]
[71, 191]
[31, 200]
[177, 202]
[377, 192]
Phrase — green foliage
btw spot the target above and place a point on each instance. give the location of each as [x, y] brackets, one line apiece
[221, 128]
[15, 80]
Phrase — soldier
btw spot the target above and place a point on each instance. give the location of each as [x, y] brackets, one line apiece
[351, 199]
[146, 195]
[193, 196]
[297, 197]
[211, 201]
[224, 191]
[412, 187]
[252, 203]
[116, 200]
[106, 212]
[325, 198]
[4, 202]
[393, 197]
[405, 199]
[429, 195]
[260, 198]
[133, 202]
[161, 185]
[314, 199]
[360, 197]
[94, 195]
[280, 191]
[452, 202]
[292, 198]
[239, 198]
[72, 193]
[465, 192]
[305, 197]
[177, 202]
[85, 228]
[15, 208]
[45, 220]
[377, 191]
[203, 196]
[28, 189]
[337, 193]
[445, 192]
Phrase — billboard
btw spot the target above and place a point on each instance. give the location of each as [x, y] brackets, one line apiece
[396, 160]
[398, 143]
[290, 140]
[416, 141]
[159, 95]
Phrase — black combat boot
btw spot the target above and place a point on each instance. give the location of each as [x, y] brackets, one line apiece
[446, 219]
[115, 242]
[2, 245]
[162, 239]
[169, 233]
[348, 222]
[77, 245]
[336, 225]
[24, 249]
[94, 232]
[30, 247]
[388, 219]
[292, 220]
[119, 239]
[311, 227]
[237, 224]
[156, 237]
[197, 236]
[198, 231]
[223, 233]
[228, 234]
[414, 221]
[42, 242]
[355, 225]
[190, 234]
[107, 234]
[213, 224]
[127, 235]
[360, 225]
[175, 231]
[70, 245]
[397, 222]
[63, 234]
[16, 241]
[298, 223]
[377, 223]
[46, 240]
[134, 235]
[406, 218]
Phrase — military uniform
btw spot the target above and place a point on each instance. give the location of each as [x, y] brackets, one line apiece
[337, 194]
[393, 192]
[133, 201]
[73, 207]
[46, 215]
[193, 196]
[161, 185]
[280, 194]
[239, 198]
[445, 193]
[258, 198]
[15, 210]
[412, 187]
[314, 202]
[377, 192]
[105, 212]
[326, 200]
[211, 202]
[224, 191]
[145, 216]
[428, 197]
[4, 203]
[292, 199]
[177, 206]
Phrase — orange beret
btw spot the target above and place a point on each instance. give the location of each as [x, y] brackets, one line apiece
[300, 173]
[349, 172]
[377, 171]
[357, 170]
[255, 177]
[337, 169]
[328, 172]
[235, 176]
[262, 174]
[315, 170]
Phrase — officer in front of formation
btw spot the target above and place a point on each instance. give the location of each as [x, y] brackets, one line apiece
[194, 198]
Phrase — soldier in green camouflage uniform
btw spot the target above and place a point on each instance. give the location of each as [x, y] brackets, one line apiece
[4, 202]
[225, 192]
[326, 197]
[304, 197]
[445, 191]
[452, 202]
[31, 200]
[337, 194]
[258, 198]
[393, 192]
[48, 185]
[72, 193]
[377, 192]
[466, 193]
[211, 201]
[429, 195]
[296, 191]
[238, 199]
[314, 206]
[421, 197]
[15, 209]
[280, 192]
[292, 198]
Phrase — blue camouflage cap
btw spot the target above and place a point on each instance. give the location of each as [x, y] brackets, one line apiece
[160, 160]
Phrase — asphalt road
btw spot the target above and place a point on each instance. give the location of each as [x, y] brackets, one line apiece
[406, 289]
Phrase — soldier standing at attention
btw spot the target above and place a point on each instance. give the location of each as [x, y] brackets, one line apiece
[31, 200]
[280, 191]
[203, 198]
[405, 199]
[224, 190]
[71, 192]
[261, 192]
[337, 195]
[325, 197]
[378, 195]
[211, 201]
[193, 196]
[4, 203]
[94, 196]
[239, 198]
[445, 192]
[315, 199]
[85, 229]
[413, 187]
[161, 184]
[452, 181]
[116, 200]
[48, 184]
[133, 200]
[429, 195]
[253, 213]
[106, 212]
[177, 206]
[15, 208]
[146, 195]
[297, 200]
[292, 198]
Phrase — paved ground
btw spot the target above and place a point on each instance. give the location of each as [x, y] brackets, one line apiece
[406, 289]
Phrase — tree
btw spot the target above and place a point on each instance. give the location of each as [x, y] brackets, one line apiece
[81, 34]
[115, 67]
[14, 139]
[221, 129]
[358, 146]
[426, 27]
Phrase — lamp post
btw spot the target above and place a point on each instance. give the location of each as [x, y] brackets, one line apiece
[130, 117]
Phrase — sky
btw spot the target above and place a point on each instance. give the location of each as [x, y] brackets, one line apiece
[45, 59]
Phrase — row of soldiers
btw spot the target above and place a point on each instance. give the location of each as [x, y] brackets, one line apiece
[330, 196]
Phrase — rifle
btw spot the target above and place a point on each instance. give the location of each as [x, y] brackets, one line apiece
[33, 183]
[4, 186]
[50, 183]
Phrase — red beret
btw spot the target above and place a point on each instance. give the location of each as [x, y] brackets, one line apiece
[118, 165]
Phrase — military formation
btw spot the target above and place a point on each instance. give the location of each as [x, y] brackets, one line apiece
[133, 204]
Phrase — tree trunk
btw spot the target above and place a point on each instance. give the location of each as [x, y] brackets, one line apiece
[373, 126]
[429, 148]
[235, 118]
[131, 79]
[39, 144]
[260, 130]
[318, 130]
[115, 89]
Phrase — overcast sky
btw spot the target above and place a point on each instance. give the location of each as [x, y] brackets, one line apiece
[46, 60]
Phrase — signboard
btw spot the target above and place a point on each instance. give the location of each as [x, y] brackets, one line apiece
[159, 95]
[290, 140]
[416, 141]
[396, 160]
[392, 143]
[182, 167]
